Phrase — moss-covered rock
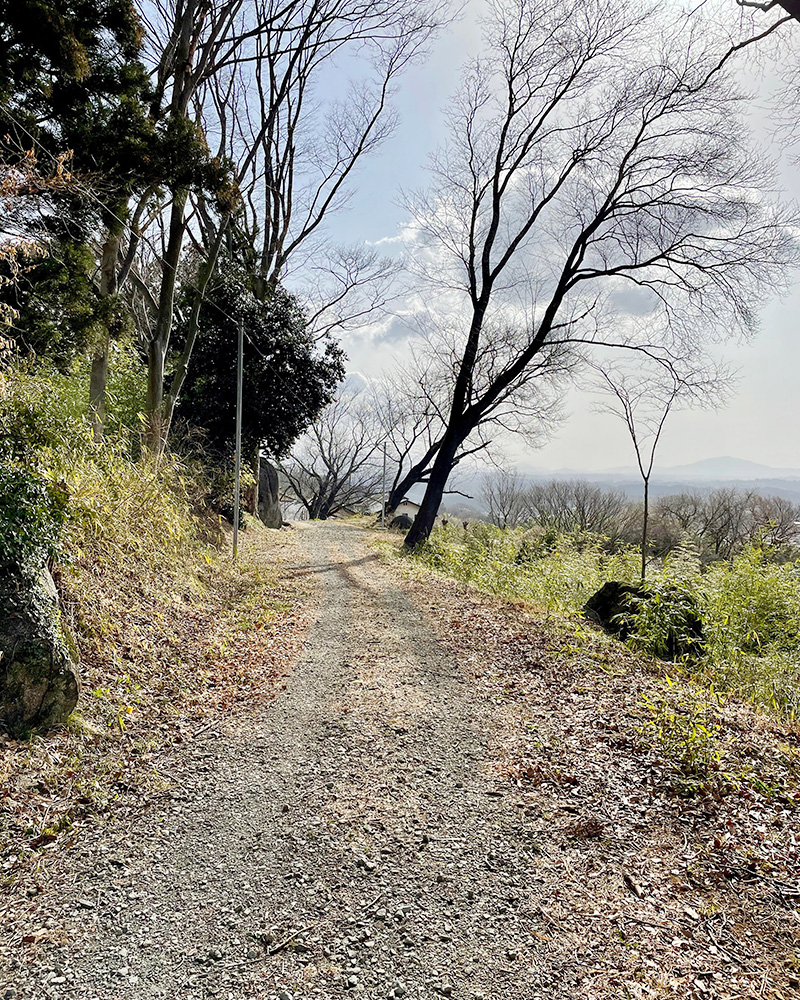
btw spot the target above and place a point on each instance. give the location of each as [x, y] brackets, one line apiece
[39, 673]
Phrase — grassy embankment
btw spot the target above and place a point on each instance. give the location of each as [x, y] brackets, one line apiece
[750, 607]
[687, 713]
[172, 635]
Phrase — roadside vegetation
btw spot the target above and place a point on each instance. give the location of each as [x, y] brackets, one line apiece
[170, 633]
[749, 604]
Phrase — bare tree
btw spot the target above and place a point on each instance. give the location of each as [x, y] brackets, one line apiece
[792, 7]
[414, 400]
[575, 505]
[504, 496]
[643, 398]
[775, 520]
[336, 465]
[723, 521]
[246, 76]
[726, 520]
[591, 152]
[684, 509]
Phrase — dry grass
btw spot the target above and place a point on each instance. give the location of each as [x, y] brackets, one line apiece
[677, 873]
[167, 651]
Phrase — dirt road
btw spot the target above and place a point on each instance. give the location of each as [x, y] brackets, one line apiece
[354, 840]
[447, 800]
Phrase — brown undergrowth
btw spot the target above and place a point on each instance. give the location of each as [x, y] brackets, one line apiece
[668, 815]
[166, 654]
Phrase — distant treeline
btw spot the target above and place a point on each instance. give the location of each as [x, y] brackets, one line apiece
[718, 523]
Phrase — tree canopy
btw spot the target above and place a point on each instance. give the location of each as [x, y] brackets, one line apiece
[288, 377]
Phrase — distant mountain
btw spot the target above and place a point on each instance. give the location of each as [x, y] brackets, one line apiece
[707, 470]
[727, 468]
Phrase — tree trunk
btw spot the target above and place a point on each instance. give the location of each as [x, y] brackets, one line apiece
[97, 389]
[193, 328]
[440, 473]
[398, 492]
[157, 348]
[645, 515]
[155, 396]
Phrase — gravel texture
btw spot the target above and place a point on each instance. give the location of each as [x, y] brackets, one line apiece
[353, 839]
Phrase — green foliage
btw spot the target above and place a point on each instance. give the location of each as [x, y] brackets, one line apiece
[557, 573]
[56, 305]
[41, 410]
[72, 79]
[662, 621]
[109, 506]
[752, 610]
[70, 75]
[55, 483]
[44, 412]
[754, 605]
[749, 606]
[288, 379]
[32, 512]
[683, 728]
[221, 485]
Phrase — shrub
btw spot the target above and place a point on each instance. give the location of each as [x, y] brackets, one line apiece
[32, 512]
[110, 508]
[44, 412]
[752, 605]
[125, 512]
[684, 729]
[749, 607]
[41, 411]
[665, 622]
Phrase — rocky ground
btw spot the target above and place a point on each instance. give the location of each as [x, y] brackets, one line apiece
[410, 819]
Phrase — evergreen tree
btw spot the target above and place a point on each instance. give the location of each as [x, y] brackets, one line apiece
[288, 378]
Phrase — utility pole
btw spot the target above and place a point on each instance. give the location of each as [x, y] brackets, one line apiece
[383, 494]
[238, 487]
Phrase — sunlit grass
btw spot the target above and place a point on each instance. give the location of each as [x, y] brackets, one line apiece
[750, 607]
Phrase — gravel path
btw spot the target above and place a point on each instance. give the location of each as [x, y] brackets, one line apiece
[350, 841]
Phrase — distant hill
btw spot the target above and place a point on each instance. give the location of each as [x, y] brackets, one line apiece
[706, 475]
[728, 468]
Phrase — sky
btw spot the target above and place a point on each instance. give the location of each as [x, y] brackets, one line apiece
[760, 422]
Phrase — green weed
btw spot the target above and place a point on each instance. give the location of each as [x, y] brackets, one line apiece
[749, 606]
[684, 729]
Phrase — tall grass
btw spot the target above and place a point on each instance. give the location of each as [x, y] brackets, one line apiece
[750, 606]
[123, 507]
[751, 609]
[556, 573]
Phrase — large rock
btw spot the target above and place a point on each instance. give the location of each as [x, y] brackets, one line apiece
[616, 607]
[269, 507]
[39, 674]
[613, 606]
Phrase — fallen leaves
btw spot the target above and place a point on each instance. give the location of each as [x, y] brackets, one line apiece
[164, 660]
[661, 883]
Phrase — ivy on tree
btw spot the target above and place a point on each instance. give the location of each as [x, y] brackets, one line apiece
[288, 376]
